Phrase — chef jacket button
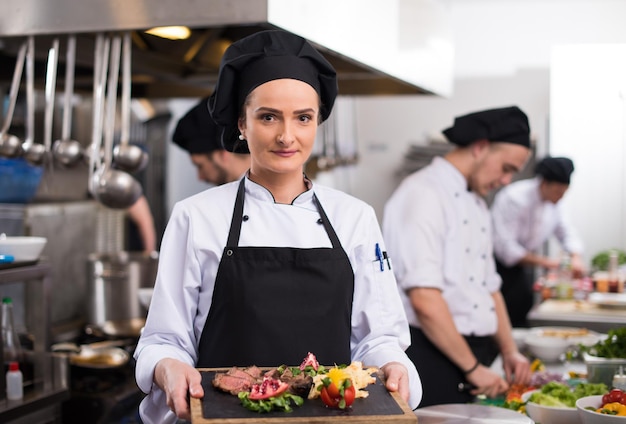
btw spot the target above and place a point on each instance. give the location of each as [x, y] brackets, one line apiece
[471, 278]
[246, 217]
[492, 309]
[319, 221]
[229, 252]
[465, 221]
[483, 229]
[467, 249]
[475, 306]
[456, 194]
[483, 256]
[484, 283]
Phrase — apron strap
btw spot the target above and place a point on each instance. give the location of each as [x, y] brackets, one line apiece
[326, 223]
[235, 223]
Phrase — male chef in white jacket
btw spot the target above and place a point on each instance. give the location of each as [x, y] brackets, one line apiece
[437, 229]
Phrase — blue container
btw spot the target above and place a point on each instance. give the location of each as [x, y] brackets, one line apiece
[19, 180]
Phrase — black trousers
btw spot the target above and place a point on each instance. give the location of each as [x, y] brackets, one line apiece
[517, 291]
[440, 377]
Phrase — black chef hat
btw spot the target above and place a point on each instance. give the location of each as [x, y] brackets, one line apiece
[507, 124]
[261, 57]
[196, 132]
[555, 169]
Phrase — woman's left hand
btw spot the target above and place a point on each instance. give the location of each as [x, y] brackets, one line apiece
[178, 380]
[397, 379]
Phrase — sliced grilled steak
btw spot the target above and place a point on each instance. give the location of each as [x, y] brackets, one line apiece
[237, 380]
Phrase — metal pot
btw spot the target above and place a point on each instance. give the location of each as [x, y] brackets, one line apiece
[113, 283]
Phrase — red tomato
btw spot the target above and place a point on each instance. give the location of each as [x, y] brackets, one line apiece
[332, 397]
[329, 401]
[333, 391]
[622, 399]
[348, 395]
[615, 395]
[270, 387]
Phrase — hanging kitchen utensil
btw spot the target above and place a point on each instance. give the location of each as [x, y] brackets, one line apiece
[34, 153]
[67, 151]
[10, 145]
[127, 157]
[113, 188]
[101, 64]
[51, 79]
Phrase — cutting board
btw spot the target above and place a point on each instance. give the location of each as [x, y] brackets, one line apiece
[218, 407]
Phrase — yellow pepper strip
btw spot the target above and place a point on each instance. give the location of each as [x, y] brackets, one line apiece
[537, 365]
[613, 408]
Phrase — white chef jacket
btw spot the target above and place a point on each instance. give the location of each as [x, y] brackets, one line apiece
[522, 222]
[191, 251]
[439, 235]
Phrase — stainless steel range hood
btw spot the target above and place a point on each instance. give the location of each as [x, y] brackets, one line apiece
[379, 47]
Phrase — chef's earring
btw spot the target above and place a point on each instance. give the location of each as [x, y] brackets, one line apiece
[241, 137]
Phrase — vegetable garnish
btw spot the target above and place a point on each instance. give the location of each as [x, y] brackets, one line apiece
[281, 402]
[337, 390]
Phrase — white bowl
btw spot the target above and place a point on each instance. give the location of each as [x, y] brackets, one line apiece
[548, 349]
[550, 414]
[145, 296]
[549, 343]
[592, 417]
[23, 249]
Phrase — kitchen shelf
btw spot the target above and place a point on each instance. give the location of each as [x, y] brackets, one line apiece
[49, 386]
[37, 279]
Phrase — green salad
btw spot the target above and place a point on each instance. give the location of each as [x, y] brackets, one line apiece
[561, 395]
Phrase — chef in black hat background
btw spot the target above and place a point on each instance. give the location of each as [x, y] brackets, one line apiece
[197, 134]
[526, 214]
[438, 231]
[265, 269]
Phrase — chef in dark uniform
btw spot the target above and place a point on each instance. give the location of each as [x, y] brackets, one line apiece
[438, 231]
[199, 136]
[525, 215]
[265, 269]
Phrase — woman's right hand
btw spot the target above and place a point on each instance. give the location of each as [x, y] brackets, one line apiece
[179, 381]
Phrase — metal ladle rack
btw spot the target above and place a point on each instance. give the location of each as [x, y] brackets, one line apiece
[50, 383]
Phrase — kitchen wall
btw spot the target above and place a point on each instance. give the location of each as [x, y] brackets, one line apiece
[502, 56]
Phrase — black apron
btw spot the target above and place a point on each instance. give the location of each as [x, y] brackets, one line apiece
[517, 291]
[442, 381]
[273, 305]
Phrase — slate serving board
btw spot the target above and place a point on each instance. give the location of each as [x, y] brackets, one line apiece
[218, 407]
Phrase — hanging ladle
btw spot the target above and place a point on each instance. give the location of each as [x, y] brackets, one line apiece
[113, 188]
[10, 145]
[67, 151]
[34, 153]
[127, 157]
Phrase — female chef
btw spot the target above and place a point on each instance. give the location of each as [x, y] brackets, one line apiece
[265, 269]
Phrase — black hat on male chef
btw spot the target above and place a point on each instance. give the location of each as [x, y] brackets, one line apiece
[196, 132]
[555, 169]
[261, 57]
[506, 125]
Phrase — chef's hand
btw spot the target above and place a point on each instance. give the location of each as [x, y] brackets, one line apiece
[178, 380]
[516, 367]
[397, 379]
[486, 382]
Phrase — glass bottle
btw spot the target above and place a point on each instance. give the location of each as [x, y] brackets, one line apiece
[564, 288]
[10, 340]
[613, 273]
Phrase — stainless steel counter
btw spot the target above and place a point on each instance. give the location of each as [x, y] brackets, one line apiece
[575, 313]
